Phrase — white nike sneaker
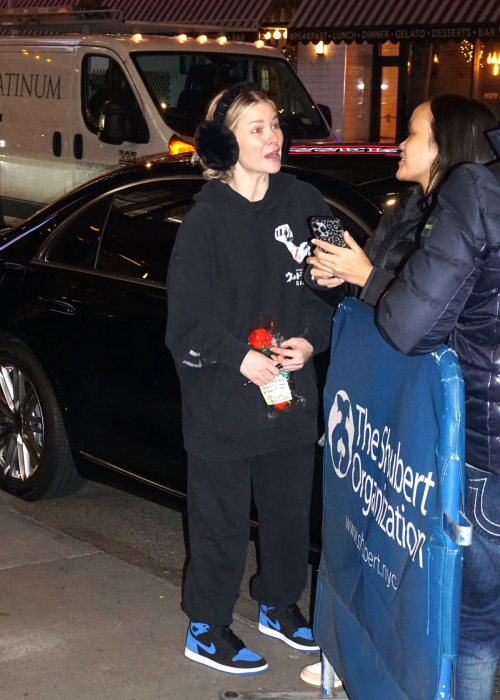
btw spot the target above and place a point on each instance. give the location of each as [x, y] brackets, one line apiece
[312, 676]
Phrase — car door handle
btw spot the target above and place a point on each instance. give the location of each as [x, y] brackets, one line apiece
[78, 146]
[57, 144]
[59, 307]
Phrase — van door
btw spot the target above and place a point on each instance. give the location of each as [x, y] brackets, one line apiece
[36, 86]
[103, 78]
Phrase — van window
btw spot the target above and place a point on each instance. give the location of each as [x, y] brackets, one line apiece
[104, 80]
[182, 85]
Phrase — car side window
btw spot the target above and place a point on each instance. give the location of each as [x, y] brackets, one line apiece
[78, 242]
[103, 80]
[141, 228]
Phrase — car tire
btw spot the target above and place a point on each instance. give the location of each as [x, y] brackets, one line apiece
[35, 456]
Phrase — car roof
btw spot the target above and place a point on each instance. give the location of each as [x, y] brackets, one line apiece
[125, 44]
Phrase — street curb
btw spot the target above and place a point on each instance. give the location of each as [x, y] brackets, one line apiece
[245, 610]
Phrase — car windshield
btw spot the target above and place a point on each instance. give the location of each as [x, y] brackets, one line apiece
[182, 85]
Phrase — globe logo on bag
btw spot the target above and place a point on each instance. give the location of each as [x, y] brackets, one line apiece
[391, 492]
[341, 434]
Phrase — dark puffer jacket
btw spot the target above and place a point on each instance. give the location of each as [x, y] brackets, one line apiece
[449, 291]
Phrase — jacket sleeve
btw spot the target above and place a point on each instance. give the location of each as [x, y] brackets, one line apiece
[195, 336]
[421, 308]
[375, 285]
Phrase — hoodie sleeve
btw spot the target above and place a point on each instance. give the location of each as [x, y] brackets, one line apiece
[422, 307]
[317, 316]
[195, 337]
[317, 312]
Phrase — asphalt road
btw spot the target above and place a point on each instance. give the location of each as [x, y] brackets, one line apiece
[154, 530]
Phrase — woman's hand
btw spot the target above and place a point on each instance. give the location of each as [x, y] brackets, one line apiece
[258, 369]
[324, 279]
[292, 354]
[348, 264]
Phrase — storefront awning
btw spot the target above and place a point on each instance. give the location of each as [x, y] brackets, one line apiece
[225, 13]
[395, 20]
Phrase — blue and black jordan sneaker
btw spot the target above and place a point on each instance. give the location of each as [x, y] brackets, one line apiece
[220, 648]
[289, 625]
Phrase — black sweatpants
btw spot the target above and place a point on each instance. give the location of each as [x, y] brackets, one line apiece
[218, 515]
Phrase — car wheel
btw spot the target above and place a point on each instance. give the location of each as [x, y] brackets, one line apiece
[35, 456]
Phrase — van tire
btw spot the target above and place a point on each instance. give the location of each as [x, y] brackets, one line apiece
[35, 421]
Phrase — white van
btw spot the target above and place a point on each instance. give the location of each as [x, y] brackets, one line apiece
[152, 91]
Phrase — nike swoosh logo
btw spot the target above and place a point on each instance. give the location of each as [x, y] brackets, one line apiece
[209, 650]
[276, 624]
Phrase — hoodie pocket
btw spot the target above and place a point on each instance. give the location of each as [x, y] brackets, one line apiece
[243, 410]
[219, 386]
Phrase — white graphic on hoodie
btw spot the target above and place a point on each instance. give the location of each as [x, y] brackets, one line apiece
[284, 234]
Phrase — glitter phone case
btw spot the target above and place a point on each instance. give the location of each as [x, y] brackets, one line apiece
[329, 229]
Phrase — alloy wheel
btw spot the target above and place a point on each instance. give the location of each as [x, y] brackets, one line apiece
[21, 425]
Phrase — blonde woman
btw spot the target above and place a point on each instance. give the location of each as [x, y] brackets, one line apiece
[239, 255]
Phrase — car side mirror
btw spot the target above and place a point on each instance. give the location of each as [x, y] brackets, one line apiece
[114, 123]
[327, 113]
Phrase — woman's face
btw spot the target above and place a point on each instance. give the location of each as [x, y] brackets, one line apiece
[418, 151]
[260, 140]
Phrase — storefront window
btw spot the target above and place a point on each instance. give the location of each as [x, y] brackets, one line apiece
[487, 73]
[451, 69]
[389, 103]
[358, 80]
[389, 49]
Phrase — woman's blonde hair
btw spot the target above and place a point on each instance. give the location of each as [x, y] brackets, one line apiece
[240, 106]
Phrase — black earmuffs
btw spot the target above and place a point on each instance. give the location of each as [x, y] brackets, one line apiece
[216, 145]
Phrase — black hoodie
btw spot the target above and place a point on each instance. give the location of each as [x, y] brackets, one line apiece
[235, 261]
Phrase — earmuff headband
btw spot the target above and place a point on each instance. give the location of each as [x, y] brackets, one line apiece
[227, 99]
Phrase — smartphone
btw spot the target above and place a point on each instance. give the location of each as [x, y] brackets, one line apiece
[329, 229]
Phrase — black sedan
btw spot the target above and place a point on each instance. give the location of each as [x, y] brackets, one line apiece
[85, 377]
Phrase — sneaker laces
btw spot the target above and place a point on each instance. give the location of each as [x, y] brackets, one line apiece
[296, 616]
[228, 639]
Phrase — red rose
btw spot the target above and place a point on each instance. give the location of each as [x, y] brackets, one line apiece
[281, 406]
[260, 339]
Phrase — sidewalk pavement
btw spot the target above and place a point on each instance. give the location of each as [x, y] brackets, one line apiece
[82, 617]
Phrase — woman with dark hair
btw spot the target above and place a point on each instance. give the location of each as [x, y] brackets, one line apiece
[443, 134]
[449, 293]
